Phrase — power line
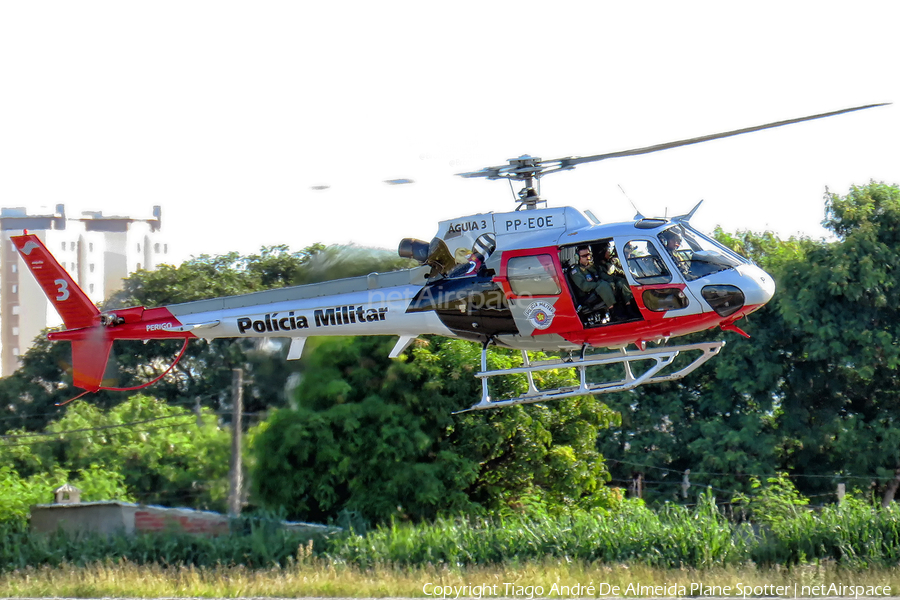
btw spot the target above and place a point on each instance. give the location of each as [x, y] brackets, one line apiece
[714, 474]
[50, 441]
[99, 428]
[678, 483]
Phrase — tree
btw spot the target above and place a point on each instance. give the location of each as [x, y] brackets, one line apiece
[377, 436]
[844, 382]
[142, 449]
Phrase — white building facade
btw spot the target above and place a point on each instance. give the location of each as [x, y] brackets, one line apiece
[98, 251]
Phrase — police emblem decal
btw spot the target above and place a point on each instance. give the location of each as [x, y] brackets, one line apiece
[540, 314]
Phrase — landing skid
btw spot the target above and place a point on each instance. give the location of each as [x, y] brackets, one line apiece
[659, 359]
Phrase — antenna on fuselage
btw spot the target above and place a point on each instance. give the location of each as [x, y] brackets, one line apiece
[637, 216]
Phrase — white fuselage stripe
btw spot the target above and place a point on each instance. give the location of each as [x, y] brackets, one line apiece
[370, 312]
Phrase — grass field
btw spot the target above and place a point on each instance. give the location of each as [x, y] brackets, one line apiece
[315, 577]
[668, 552]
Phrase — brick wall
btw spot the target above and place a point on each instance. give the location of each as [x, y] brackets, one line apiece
[112, 516]
[153, 519]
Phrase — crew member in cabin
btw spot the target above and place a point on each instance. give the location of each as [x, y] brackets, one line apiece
[611, 270]
[587, 278]
[604, 280]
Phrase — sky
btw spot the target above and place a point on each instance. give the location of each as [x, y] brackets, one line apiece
[229, 114]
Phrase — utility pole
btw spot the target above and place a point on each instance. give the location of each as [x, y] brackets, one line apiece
[237, 401]
[637, 485]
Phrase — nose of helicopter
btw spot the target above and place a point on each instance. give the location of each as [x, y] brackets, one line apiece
[763, 287]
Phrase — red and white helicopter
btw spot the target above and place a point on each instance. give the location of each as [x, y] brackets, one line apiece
[496, 278]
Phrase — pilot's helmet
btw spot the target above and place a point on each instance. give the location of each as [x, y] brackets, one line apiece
[669, 235]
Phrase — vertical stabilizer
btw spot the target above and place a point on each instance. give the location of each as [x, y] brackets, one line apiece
[70, 301]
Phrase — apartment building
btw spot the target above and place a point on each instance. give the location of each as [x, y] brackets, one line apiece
[99, 251]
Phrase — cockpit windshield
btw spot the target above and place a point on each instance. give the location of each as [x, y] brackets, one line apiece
[695, 254]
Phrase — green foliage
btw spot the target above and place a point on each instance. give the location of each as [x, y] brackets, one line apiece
[377, 436]
[853, 533]
[772, 502]
[864, 211]
[97, 483]
[142, 449]
[18, 494]
[674, 537]
[842, 303]
[721, 420]
[207, 276]
[261, 545]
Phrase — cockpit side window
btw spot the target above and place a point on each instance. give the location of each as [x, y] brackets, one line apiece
[694, 255]
[644, 263]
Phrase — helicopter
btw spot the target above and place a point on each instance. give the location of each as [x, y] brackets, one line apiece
[506, 279]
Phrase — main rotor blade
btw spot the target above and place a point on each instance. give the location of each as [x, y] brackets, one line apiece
[571, 161]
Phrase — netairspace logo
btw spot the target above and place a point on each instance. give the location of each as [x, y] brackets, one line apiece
[601, 590]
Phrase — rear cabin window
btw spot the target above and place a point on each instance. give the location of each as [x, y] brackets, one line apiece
[532, 276]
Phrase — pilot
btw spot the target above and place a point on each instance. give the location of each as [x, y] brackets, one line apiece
[588, 279]
[672, 241]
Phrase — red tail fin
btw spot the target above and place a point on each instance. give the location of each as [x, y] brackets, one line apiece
[89, 358]
[70, 301]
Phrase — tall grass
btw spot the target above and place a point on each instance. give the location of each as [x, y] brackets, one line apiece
[262, 546]
[853, 535]
[673, 537]
[318, 578]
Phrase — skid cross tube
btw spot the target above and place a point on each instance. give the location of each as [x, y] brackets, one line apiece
[662, 357]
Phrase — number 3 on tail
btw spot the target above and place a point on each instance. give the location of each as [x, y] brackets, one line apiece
[63, 290]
